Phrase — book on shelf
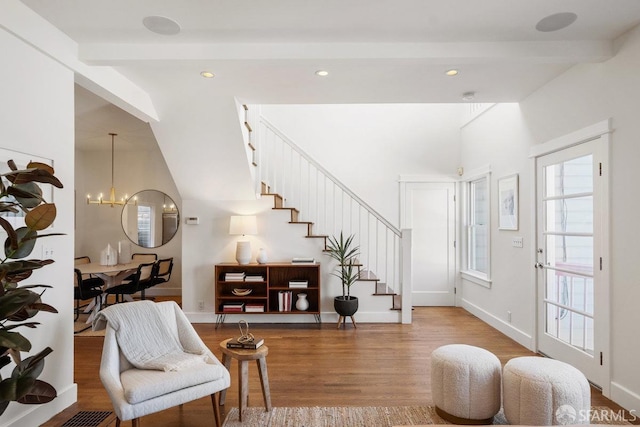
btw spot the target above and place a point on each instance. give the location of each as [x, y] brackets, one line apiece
[254, 278]
[298, 283]
[284, 300]
[254, 308]
[253, 345]
[233, 307]
[303, 260]
[234, 277]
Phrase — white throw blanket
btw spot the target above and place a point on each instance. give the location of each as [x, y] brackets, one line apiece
[144, 337]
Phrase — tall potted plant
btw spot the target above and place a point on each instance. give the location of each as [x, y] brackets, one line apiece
[21, 194]
[345, 251]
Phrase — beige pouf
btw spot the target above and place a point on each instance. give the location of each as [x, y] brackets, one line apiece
[541, 391]
[465, 384]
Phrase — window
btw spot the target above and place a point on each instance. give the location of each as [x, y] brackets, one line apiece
[145, 237]
[478, 229]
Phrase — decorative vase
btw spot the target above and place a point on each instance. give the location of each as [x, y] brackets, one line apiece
[302, 303]
[262, 256]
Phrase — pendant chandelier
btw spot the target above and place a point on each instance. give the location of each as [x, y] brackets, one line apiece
[112, 193]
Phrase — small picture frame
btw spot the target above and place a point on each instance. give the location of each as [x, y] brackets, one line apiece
[508, 202]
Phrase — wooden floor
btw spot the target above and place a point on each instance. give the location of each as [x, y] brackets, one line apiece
[318, 365]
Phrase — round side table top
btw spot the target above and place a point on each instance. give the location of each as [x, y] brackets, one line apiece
[242, 353]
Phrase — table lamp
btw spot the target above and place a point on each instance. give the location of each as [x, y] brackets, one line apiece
[243, 225]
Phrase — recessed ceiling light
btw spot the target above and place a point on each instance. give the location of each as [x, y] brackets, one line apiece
[556, 22]
[161, 25]
[207, 74]
[452, 72]
[468, 96]
[322, 73]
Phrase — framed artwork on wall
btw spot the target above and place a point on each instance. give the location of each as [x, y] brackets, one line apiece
[508, 202]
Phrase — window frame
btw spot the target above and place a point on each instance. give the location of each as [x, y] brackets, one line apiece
[482, 278]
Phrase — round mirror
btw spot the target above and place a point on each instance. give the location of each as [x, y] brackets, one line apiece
[151, 218]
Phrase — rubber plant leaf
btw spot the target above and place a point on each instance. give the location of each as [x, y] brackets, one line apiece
[26, 242]
[14, 340]
[41, 216]
[41, 392]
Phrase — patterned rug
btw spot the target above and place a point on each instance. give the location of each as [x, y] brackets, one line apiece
[379, 416]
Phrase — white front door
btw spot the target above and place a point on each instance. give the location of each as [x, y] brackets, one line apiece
[572, 290]
[429, 210]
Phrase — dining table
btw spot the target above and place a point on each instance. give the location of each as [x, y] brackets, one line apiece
[112, 275]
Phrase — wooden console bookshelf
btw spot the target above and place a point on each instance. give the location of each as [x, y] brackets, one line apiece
[273, 279]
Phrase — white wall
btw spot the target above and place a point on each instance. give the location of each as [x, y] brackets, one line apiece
[367, 147]
[37, 118]
[500, 140]
[584, 95]
[97, 226]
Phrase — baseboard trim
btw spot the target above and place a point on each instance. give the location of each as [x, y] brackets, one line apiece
[35, 415]
[509, 330]
[392, 316]
[625, 398]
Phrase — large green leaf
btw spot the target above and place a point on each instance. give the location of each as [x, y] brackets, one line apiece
[40, 393]
[43, 166]
[12, 237]
[32, 175]
[15, 300]
[28, 195]
[26, 242]
[15, 388]
[14, 340]
[31, 366]
[41, 216]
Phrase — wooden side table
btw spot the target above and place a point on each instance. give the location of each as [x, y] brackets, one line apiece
[243, 357]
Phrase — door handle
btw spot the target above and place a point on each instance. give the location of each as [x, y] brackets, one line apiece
[538, 265]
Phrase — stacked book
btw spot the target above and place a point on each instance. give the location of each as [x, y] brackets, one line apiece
[298, 283]
[234, 277]
[254, 278]
[251, 345]
[284, 300]
[254, 308]
[233, 307]
[303, 260]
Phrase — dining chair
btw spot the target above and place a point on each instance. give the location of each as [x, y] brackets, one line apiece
[144, 257]
[164, 267]
[84, 290]
[161, 274]
[90, 279]
[138, 280]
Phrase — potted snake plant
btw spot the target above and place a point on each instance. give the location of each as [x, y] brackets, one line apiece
[345, 252]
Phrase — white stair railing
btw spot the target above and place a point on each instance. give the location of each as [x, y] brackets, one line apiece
[324, 201]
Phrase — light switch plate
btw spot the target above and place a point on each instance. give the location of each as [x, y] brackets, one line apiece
[517, 242]
[193, 220]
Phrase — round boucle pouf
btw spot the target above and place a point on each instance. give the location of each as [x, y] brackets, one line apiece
[465, 384]
[541, 391]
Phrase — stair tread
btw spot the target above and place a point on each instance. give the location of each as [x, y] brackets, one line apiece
[286, 209]
[300, 222]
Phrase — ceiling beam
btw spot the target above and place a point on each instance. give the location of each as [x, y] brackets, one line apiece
[564, 52]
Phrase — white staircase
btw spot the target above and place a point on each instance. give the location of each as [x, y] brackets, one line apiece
[317, 199]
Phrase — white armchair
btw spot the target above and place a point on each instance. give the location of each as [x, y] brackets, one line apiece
[137, 392]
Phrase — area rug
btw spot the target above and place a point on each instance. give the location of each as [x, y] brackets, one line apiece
[379, 416]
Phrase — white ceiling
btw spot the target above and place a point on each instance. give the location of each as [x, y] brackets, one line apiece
[376, 51]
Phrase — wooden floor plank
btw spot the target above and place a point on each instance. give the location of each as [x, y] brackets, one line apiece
[318, 365]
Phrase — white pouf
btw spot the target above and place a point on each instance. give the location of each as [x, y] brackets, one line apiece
[465, 384]
[541, 391]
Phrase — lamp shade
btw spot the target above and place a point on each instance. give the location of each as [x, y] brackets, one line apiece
[243, 224]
